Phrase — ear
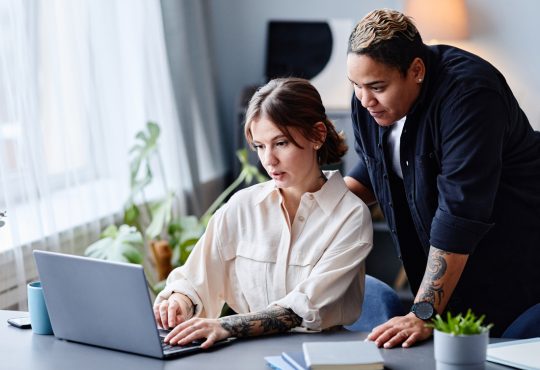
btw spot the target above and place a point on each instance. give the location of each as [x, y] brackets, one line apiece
[320, 127]
[417, 70]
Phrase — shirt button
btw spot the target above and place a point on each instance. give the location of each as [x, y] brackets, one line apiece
[390, 204]
[406, 163]
[310, 196]
[301, 218]
[385, 176]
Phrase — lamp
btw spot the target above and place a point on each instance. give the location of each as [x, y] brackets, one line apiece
[439, 19]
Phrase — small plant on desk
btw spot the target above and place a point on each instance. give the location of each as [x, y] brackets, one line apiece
[460, 340]
[460, 325]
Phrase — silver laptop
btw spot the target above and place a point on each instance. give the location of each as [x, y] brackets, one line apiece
[105, 304]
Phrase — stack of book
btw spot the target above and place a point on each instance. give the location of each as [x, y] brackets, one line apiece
[350, 355]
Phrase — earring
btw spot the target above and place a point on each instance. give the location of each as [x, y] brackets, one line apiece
[420, 80]
[316, 147]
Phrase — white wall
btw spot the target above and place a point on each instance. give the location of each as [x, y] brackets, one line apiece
[505, 32]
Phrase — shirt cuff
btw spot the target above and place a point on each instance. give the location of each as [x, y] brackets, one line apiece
[300, 304]
[456, 234]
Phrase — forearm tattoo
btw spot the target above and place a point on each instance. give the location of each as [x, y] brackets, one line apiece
[275, 319]
[432, 288]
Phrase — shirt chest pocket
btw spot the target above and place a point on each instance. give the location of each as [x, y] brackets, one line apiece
[255, 265]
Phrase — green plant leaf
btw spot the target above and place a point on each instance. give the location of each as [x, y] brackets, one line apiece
[131, 215]
[459, 324]
[161, 215]
[124, 244]
[141, 153]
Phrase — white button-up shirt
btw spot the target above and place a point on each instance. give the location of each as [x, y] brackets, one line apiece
[251, 259]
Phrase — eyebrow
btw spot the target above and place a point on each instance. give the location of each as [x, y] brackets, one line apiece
[367, 84]
[277, 137]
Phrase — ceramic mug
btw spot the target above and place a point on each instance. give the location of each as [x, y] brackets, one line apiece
[39, 316]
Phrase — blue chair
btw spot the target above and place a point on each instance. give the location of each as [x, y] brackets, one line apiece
[381, 303]
[527, 325]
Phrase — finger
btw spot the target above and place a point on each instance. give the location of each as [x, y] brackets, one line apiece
[163, 314]
[187, 336]
[210, 340]
[175, 331]
[157, 316]
[377, 331]
[413, 338]
[398, 338]
[385, 336]
[173, 311]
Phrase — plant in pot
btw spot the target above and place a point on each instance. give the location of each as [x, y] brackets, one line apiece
[460, 342]
[144, 222]
[170, 238]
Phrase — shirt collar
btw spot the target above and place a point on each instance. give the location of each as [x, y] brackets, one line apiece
[326, 197]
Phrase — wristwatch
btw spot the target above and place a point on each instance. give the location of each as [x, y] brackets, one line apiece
[424, 310]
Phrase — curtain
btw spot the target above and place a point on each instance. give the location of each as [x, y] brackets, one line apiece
[189, 49]
[78, 79]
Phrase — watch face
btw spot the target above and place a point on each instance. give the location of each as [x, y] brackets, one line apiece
[423, 310]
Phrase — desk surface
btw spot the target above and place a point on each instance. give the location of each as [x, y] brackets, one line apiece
[21, 349]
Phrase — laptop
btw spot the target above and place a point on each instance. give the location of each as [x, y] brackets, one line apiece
[105, 304]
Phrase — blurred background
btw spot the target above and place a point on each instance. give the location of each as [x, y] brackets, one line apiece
[80, 79]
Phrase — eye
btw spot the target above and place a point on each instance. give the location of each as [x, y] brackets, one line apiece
[377, 88]
[257, 146]
[282, 143]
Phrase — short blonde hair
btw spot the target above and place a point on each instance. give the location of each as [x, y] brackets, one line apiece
[388, 36]
[380, 25]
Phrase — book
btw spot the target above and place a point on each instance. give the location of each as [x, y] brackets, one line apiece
[349, 355]
[295, 359]
[522, 354]
[278, 363]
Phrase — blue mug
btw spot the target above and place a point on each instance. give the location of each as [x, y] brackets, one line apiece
[39, 316]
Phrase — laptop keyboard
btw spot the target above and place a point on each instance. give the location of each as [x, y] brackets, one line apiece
[167, 347]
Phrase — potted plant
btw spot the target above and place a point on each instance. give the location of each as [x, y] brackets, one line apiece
[169, 238]
[460, 342]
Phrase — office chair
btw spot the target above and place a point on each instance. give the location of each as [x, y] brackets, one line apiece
[527, 325]
[381, 303]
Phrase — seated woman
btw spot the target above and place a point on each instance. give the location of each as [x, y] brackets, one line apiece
[285, 253]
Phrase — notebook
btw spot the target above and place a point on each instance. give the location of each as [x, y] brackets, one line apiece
[295, 359]
[523, 354]
[105, 304]
[349, 355]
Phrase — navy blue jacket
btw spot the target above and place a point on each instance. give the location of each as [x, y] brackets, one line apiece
[471, 183]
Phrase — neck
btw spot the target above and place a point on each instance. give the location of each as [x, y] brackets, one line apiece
[291, 197]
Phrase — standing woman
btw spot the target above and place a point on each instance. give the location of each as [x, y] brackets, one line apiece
[286, 253]
[454, 163]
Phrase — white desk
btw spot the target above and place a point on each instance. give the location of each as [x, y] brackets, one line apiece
[21, 349]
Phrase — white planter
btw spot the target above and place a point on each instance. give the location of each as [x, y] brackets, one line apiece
[464, 352]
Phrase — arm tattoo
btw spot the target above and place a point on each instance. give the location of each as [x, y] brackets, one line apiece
[432, 288]
[275, 319]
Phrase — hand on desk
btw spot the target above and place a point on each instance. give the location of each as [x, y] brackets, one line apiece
[197, 328]
[405, 330]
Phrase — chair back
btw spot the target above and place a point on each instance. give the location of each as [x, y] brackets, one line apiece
[527, 325]
[381, 303]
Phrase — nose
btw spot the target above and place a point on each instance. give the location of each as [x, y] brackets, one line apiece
[269, 158]
[366, 98]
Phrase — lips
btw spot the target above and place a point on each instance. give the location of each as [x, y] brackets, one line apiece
[376, 114]
[276, 175]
